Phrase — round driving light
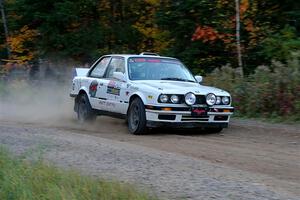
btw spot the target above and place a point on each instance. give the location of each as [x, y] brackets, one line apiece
[218, 100]
[164, 98]
[190, 99]
[174, 99]
[225, 100]
[211, 99]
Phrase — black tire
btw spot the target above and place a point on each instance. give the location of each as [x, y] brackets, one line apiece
[85, 112]
[213, 130]
[136, 117]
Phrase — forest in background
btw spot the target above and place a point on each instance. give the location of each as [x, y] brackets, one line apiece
[202, 33]
[199, 32]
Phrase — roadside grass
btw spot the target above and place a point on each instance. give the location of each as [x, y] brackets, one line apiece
[35, 180]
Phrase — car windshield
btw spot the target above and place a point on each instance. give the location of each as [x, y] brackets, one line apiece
[158, 69]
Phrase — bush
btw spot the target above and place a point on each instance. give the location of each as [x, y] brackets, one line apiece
[270, 92]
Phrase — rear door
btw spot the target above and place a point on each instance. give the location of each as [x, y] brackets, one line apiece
[95, 82]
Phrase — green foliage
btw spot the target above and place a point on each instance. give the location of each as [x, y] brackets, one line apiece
[22, 179]
[271, 91]
[281, 45]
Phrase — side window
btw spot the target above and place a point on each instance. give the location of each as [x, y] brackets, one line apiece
[100, 68]
[115, 65]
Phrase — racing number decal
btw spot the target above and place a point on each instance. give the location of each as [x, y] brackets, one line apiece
[93, 88]
[113, 88]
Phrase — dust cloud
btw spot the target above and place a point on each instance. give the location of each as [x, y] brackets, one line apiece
[46, 102]
[39, 95]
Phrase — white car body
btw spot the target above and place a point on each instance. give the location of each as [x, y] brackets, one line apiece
[113, 95]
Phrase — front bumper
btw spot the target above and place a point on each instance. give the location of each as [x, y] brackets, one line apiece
[154, 124]
[217, 117]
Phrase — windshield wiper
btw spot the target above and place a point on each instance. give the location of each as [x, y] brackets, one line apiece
[177, 79]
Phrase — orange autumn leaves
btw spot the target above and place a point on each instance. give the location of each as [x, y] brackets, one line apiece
[209, 34]
[19, 44]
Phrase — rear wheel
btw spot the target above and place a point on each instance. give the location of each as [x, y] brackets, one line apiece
[137, 117]
[85, 112]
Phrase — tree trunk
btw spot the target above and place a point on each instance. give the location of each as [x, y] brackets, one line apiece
[238, 36]
[4, 25]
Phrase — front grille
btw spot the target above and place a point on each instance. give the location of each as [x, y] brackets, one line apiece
[200, 99]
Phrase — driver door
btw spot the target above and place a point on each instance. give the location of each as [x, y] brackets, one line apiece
[114, 89]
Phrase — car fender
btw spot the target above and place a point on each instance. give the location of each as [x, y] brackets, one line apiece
[140, 95]
[84, 89]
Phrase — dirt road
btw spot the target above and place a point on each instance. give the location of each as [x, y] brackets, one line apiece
[249, 160]
[266, 156]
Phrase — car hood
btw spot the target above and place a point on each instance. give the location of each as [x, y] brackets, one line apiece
[180, 87]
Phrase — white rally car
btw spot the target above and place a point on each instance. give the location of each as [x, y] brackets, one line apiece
[149, 91]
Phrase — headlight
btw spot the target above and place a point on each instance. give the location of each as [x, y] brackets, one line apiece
[211, 99]
[163, 98]
[219, 100]
[225, 100]
[174, 99]
[190, 99]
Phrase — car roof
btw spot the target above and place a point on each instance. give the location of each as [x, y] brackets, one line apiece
[141, 56]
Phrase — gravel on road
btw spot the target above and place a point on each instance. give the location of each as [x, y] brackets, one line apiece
[170, 175]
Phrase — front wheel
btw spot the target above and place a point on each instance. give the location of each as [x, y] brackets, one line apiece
[136, 117]
[85, 113]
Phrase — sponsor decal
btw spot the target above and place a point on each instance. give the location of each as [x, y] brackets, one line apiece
[140, 60]
[170, 61]
[102, 102]
[145, 60]
[199, 112]
[113, 88]
[150, 97]
[134, 88]
[93, 88]
[112, 84]
[113, 91]
[108, 104]
[153, 60]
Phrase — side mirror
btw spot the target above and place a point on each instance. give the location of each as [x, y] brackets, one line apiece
[119, 76]
[199, 79]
